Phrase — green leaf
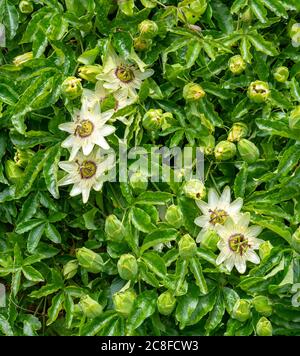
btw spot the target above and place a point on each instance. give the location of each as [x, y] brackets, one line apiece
[11, 19]
[190, 211]
[222, 15]
[16, 282]
[262, 45]
[155, 263]
[186, 306]
[259, 11]
[144, 306]
[230, 298]
[50, 170]
[238, 5]
[32, 274]
[7, 94]
[158, 237]
[56, 307]
[151, 198]
[196, 269]
[216, 315]
[277, 7]
[5, 326]
[44, 291]
[207, 108]
[52, 233]
[28, 225]
[240, 181]
[34, 237]
[141, 220]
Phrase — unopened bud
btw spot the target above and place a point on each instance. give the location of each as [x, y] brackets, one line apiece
[89, 260]
[194, 189]
[248, 151]
[294, 118]
[138, 182]
[193, 92]
[142, 44]
[12, 171]
[71, 87]
[238, 131]
[89, 306]
[265, 249]
[241, 310]
[258, 91]
[89, 72]
[114, 228]
[187, 247]
[262, 305]
[166, 303]
[225, 150]
[264, 327]
[148, 29]
[174, 216]
[281, 74]
[127, 267]
[237, 64]
[70, 269]
[26, 7]
[124, 301]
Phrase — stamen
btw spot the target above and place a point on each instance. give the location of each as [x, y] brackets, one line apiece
[87, 169]
[238, 243]
[84, 128]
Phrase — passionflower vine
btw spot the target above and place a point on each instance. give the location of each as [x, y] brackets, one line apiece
[86, 172]
[88, 128]
[217, 210]
[237, 243]
[121, 77]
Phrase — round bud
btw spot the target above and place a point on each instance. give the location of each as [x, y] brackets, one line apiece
[264, 327]
[89, 307]
[138, 182]
[294, 118]
[265, 249]
[187, 247]
[124, 301]
[89, 72]
[174, 216]
[225, 150]
[89, 260]
[153, 119]
[193, 92]
[142, 44]
[127, 267]
[70, 269]
[262, 305]
[13, 172]
[248, 151]
[191, 10]
[258, 91]
[209, 144]
[148, 29]
[194, 189]
[71, 88]
[209, 240]
[237, 64]
[241, 310]
[238, 130]
[295, 34]
[281, 74]
[26, 7]
[114, 228]
[166, 303]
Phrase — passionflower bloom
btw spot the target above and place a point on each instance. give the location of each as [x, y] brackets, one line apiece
[217, 210]
[237, 243]
[121, 77]
[86, 172]
[88, 128]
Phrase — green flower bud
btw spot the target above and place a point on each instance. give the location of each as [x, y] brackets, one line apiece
[262, 305]
[124, 301]
[138, 182]
[225, 150]
[26, 7]
[127, 267]
[90, 308]
[166, 303]
[238, 130]
[294, 119]
[142, 44]
[191, 10]
[174, 216]
[194, 189]
[89, 260]
[295, 34]
[89, 72]
[71, 87]
[150, 4]
[23, 157]
[296, 240]
[296, 300]
[114, 228]
[187, 247]
[248, 151]
[281, 74]
[237, 64]
[258, 91]
[148, 29]
[12, 171]
[264, 327]
[241, 310]
[247, 16]
[210, 240]
[210, 143]
[70, 269]
[153, 119]
[23, 58]
[265, 249]
[193, 92]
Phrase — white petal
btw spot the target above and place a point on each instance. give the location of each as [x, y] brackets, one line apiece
[222, 231]
[85, 194]
[68, 179]
[113, 86]
[68, 142]
[243, 220]
[68, 166]
[87, 148]
[107, 130]
[200, 235]
[103, 143]
[106, 115]
[74, 151]
[213, 198]
[253, 231]
[75, 190]
[146, 74]
[98, 186]
[229, 263]
[202, 220]
[236, 206]
[240, 264]
[252, 257]
[203, 206]
[225, 197]
[67, 126]
[224, 254]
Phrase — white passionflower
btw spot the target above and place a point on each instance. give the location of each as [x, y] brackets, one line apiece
[121, 77]
[88, 128]
[86, 172]
[237, 243]
[217, 210]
